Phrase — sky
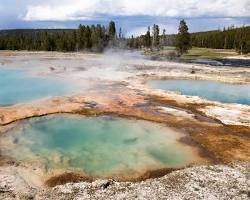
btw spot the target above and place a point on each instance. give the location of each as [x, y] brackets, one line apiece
[134, 16]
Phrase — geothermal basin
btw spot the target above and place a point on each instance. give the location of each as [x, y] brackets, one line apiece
[101, 147]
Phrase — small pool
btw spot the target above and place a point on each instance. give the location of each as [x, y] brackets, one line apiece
[18, 86]
[225, 62]
[211, 90]
[207, 61]
[98, 146]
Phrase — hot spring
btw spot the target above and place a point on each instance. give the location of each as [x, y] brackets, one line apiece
[19, 86]
[97, 146]
[211, 90]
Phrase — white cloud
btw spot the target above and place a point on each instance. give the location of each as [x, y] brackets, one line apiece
[136, 31]
[89, 9]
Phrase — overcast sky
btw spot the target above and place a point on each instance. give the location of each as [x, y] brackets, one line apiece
[132, 15]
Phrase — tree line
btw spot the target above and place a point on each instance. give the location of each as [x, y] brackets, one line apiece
[94, 38]
[97, 38]
[149, 40]
[230, 38]
[182, 41]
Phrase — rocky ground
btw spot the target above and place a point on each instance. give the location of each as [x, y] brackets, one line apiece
[222, 182]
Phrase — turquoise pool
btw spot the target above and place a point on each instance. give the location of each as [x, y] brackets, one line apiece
[18, 86]
[98, 146]
[211, 90]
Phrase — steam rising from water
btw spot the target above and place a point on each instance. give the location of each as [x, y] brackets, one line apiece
[113, 65]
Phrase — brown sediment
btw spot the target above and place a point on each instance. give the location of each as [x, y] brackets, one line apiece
[189, 107]
[73, 177]
[227, 143]
[67, 177]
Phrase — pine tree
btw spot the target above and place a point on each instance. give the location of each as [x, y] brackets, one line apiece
[100, 37]
[164, 38]
[112, 30]
[87, 38]
[112, 34]
[242, 40]
[183, 39]
[131, 42]
[156, 36]
[120, 33]
[45, 42]
[148, 38]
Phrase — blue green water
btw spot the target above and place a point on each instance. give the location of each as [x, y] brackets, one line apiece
[18, 86]
[101, 146]
[211, 90]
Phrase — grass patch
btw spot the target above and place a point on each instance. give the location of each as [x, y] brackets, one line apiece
[202, 53]
[198, 53]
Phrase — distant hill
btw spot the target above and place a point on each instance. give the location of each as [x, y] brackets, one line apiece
[15, 32]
